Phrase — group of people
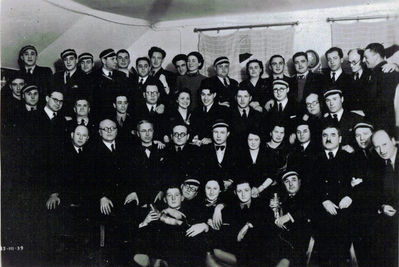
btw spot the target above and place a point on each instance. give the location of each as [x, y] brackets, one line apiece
[148, 167]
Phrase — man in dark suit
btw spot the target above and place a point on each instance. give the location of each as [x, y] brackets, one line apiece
[204, 116]
[360, 76]
[243, 117]
[82, 116]
[305, 81]
[222, 84]
[332, 181]
[37, 75]
[138, 88]
[335, 76]
[346, 120]
[382, 88]
[276, 67]
[167, 78]
[108, 80]
[221, 155]
[386, 229]
[125, 122]
[86, 62]
[11, 102]
[180, 63]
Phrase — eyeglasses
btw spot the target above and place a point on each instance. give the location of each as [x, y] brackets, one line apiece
[191, 188]
[108, 129]
[280, 90]
[353, 63]
[56, 100]
[179, 135]
[313, 104]
[151, 93]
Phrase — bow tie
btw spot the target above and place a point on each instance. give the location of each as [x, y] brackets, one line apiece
[221, 148]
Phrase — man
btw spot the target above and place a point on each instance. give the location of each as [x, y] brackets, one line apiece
[189, 189]
[144, 168]
[181, 156]
[305, 81]
[382, 89]
[180, 63]
[71, 80]
[243, 117]
[204, 116]
[37, 75]
[168, 79]
[221, 156]
[360, 76]
[332, 179]
[108, 80]
[124, 121]
[11, 101]
[223, 85]
[82, 115]
[276, 67]
[386, 246]
[152, 109]
[86, 62]
[334, 100]
[335, 75]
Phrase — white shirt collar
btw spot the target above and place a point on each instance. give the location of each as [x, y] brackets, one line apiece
[106, 72]
[393, 158]
[305, 145]
[241, 110]
[109, 145]
[339, 114]
[305, 75]
[49, 112]
[144, 79]
[337, 73]
[149, 106]
[283, 103]
[360, 71]
[222, 79]
[209, 107]
[29, 108]
[335, 151]
[31, 68]
[77, 148]
[254, 154]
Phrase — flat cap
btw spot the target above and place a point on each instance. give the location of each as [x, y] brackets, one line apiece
[28, 88]
[68, 52]
[107, 53]
[280, 82]
[287, 174]
[26, 47]
[85, 56]
[220, 123]
[363, 124]
[221, 60]
[332, 91]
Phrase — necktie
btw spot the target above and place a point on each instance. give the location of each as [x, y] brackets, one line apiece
[333, 77]
[32, 109]
[330, 155]
[388, 163]
[29, 71]
[225, 82]
[300, 77]
[54, 115]
[68, 78]
[357, 76]
[280, 107]
[221, 148]
[179, 149]
[140, 82]
[335, 117]
[302, 148]
[244, 113]
[121, 122]
[152, 110]
[110, 74]
[80, 150]
[113, 147]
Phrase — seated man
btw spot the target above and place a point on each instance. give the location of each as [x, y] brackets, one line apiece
[82, 115]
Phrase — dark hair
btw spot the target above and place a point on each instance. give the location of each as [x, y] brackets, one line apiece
[142, 122]
[198, 56]
[207, 84]
[335, 49]
[153, 82]
[376, 48]
[118, 94]
[183, 90]
[330, 123]
[122, 51]
[156, 49]
[254, 61]
[178, 58]
[298, 54]
[143, 58]
[78, 98]
[244, 87]
[242, 180]
[275, 56]
[59, 90]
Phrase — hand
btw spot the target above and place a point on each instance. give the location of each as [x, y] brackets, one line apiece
[174, 213]
[292, 138]
[162, 79]
[225, 103]
[390, 67]
[305, 117]
[356, 181]
[160, 109]
[255, 192]
[132, 196]
[348, 149]
[159, 196]
[217, 218]
[330, 207]
[345, 202]
[388, 210]
[243, 231]
[227, 183]
[269, 104]
[196, 229]
[151, 216]
[280, 221]
[105, 205]
[206, 141]
[68, 118]
[159, 144]
[256, 106]
[53, 201]
[274, 203]
[166, 139]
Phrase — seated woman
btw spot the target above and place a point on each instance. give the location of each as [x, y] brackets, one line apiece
[181, 113]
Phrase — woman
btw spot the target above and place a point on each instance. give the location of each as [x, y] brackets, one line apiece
[256, 84]
[276, 148]
[192, 79]
[181, 113]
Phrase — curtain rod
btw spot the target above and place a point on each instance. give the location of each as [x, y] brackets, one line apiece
[246, 26]
[360, 18]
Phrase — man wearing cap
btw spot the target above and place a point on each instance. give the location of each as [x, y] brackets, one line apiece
[180, 63]
[37, 75]
[168, 79]
[72, 81]
[335, 76]
[305, 81]
[204, 116]
[221, 155]
[243, 117]
[86, 62]
[334, 100]
[382, 89]
[276, 68]
[332, 180]
[108, 81]
[222, 83]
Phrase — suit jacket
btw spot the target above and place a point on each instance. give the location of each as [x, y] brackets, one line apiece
[314, 83]
[183, 163]
[288, 115]
[171, 79]
[201, 121]
[160, 121]
[41, 77]
[224, 93]
[257, 171]
[261, 92]
[240, 126]
[347, 122]
[343, 82]
[357, 97]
